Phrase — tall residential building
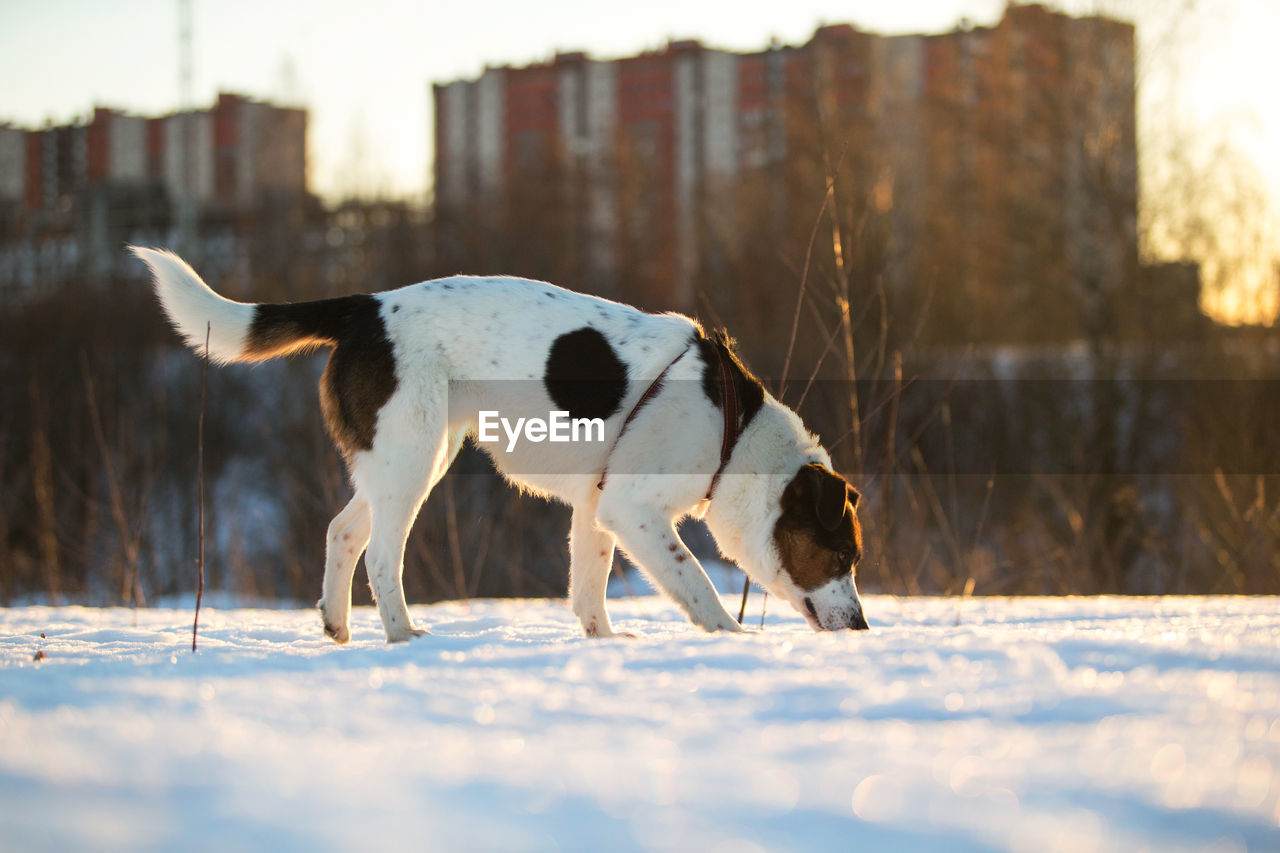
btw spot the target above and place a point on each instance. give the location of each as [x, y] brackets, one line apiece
[993, 165]
[233, 155]
[13, 161]
[629, 147]
[72, 195]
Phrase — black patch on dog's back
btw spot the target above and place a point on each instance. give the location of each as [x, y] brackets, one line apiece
[584, 375]
[750, 393]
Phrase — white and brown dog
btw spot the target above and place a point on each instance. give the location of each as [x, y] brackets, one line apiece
[683, 429]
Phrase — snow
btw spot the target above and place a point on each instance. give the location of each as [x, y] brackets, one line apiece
[1012, 724]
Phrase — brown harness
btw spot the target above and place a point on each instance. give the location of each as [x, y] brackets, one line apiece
[730, 406]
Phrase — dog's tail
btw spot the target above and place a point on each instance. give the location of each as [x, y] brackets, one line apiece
[237, 331]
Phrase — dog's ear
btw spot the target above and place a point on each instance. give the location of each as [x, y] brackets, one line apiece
[827, 493]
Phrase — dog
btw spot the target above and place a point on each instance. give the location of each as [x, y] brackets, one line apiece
[681, 428]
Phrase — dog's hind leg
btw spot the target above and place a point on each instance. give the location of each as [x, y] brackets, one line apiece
[590, 559]
[348, 536]
[392, 518]
[395, 478]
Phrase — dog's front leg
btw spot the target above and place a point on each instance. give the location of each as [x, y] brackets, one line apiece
[590, 559]
[651, 540]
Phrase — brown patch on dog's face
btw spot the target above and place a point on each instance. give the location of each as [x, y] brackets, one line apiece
[818, 536]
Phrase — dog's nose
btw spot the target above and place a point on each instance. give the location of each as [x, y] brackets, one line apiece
[859, 622]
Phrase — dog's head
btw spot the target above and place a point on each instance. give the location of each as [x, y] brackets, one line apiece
[819, 542]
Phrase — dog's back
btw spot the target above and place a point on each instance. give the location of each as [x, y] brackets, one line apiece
[520, 347]
[525, 350]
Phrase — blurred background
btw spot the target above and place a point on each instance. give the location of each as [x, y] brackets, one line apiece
[1017, 264]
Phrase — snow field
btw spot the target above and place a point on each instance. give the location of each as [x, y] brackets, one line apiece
[1034, 724]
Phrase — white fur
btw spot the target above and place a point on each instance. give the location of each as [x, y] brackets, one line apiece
[453, 340]
[194, 309]
[835, 604]
[770, 451]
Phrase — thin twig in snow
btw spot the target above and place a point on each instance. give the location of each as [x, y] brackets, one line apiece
[204, 388]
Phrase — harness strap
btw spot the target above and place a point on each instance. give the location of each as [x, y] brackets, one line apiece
[649, 392]
[729, 403]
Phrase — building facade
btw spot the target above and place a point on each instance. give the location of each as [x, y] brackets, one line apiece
[233, 154]
[71, 195]
[993, 165]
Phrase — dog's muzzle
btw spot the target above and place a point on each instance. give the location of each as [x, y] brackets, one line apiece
[835, 606]
[851, 619]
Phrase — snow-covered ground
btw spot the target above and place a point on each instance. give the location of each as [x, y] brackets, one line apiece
[1032, 724]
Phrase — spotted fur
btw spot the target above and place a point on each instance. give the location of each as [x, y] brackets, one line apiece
[411, 370]
[584, 375]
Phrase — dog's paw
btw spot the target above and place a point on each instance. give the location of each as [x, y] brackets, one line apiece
[340, 634]
[408, 635]
[596, 635]
[593, 629]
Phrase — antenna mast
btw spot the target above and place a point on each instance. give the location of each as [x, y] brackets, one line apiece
[186, 202]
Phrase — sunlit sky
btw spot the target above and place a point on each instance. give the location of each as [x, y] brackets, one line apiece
[364, 68]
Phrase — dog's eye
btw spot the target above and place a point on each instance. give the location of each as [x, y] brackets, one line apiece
[846, 559]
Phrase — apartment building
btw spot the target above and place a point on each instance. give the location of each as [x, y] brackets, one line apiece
[996, 163]
[232, 154]
[71, 195]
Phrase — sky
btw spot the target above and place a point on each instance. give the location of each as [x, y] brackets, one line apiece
[365, 69]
